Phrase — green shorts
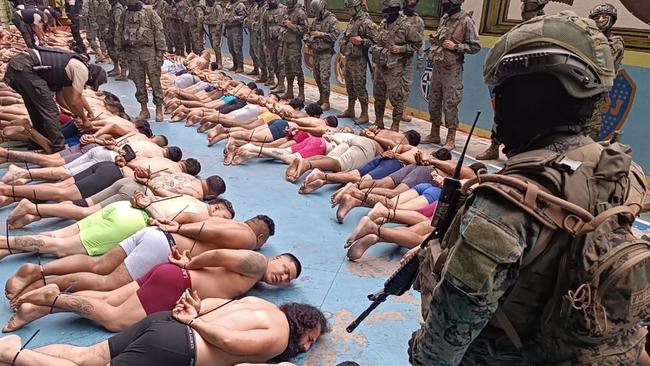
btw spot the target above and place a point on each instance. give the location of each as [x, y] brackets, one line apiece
[106, 228]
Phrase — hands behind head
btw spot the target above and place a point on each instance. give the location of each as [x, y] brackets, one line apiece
[187, 307]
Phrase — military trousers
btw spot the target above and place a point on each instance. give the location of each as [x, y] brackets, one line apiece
[93, 36]
[445, 94]
[198, 38]
[292, 57]
[355, 79]
[25, 31]
[187, 36]
[253, 48]
[235, 36]
[177, 40]
[215, 37]
[391, 83]
[73, 15]
[322, 72]
[261, 54]
[275, 61]
[143, 65]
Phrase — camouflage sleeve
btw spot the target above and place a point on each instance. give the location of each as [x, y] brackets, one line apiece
[331, 30]
[159, 35]
[240, 13]
[200, 17]
[119, 30]
[618, 50]
[414, 39]
[369, 33]
[472, 43]
[301, 23]
[481, 267]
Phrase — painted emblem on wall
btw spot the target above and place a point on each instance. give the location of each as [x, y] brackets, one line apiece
[308, 57]
[339, 69]
[425, 79]
[617, 105]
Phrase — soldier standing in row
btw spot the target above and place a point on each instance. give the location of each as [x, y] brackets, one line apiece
[415, 22]
[354, 45]
[253, 37]
[175, 26]
[295, 26]
[257, 40]
[94, 11]
[272, 37]
[323, 33]
[120, 65]
[396, 43]
[605, 16]
[233, 19]
[73, 10]
[197, 31]
[183, 12]
[455, 37]
[142, 41]
[214, 20]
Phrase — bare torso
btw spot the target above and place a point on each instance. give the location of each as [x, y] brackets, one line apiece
[174, 182]
[171, 207]
[146, 149]
[219, 282]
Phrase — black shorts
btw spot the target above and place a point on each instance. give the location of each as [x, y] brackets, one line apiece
[157, 340]
[232, 106]
[97, 178]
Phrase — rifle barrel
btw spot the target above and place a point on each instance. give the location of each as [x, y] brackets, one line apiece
[381, 298]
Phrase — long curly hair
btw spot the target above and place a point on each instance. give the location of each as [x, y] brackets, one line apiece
[302, 318]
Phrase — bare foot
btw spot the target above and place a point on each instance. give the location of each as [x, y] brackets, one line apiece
[290, 173]
[379, 212]
[9, 347]
[4, 201]
[26, 274]
[204, 126]
[300, 168]
[242, 155]
[178, 116]
[43, 296]
[229, 152]
[310, 185]
[336, 197]
[4, 253]
[364, 227]
[26, 314]
[4, 155]
[360, 246]
[220, 134]
[15, 175]
[23, 214]
[347, 203]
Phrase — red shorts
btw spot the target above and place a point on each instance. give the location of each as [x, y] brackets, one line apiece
[428, 210]
[162, 286]
[309, 147]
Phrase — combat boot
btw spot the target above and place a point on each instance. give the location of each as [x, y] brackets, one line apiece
[450, 144]
[159, 113]
[491, 153]
[262, 78]
[348, 113]
[395, 125]
[116, 70]
[219, 61]
[363, 117]
[122, 76]
[99, 56]
[239, 70]
[434, 135]
[144, 112]
[289, 94]
[325, 105]
[254, 72]
[301, 92]
[379, 118]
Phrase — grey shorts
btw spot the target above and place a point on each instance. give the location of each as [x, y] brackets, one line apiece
[354, 153]
[412, 175]
[146, 249]
[76, 151]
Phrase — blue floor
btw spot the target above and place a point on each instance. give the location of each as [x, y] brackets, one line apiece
[305, 226]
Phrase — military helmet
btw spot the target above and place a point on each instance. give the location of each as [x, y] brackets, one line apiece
[291, 3]
[392, 3]
[456, 2]
[604, 8]
[565, 45]
[317, 6]
[352, 3]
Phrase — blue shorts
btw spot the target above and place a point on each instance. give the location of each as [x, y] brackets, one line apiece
[227, 98]
[277, 128]
[380, 167]
[428, 191]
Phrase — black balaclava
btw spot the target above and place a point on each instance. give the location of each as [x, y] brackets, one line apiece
[450, 8]
[409, 9]
[391, 14]
[133, 5]
[273, 4]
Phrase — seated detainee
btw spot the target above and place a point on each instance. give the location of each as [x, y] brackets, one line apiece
[222, 273]
[215, 332]
[158, 185]
[143, 149]
[381, 166]
[101, 231]
[94, 179]
[136, 255]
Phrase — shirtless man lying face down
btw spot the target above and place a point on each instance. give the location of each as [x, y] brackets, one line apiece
[209, 332]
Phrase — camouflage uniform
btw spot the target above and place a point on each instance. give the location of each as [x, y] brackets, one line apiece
[250, 22]
[96, 12]
[292, 48]
[356, 61]
[175, 20]
[140, 36]
[494, 262]
[272, 42]
[115, 53]
[197, 31]
[415, 22]
[391, 80]
[257, 43]
[234, 14]
[214, 20]
[323, 49]
[446, 87]
[184, 13]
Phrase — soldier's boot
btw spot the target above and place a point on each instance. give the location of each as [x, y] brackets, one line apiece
[434, 135]
[116, 70]
[122, 76]
[491, 153]
[144, 112]
[263, 77]
[255, 71]
[363, 117]
[289, 94]
[99, 56]
[159, 113]
[450, 144]
[301, 89]
[348, 113]
[219, 60]
[395, 125]
[325, 103]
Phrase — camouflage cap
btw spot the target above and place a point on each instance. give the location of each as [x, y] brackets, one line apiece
[392, 3]
[564, 44]
[316, 6]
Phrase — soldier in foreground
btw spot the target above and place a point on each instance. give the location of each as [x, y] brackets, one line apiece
[516, 288]
[321, 37]
[354, 45]
[140, 36]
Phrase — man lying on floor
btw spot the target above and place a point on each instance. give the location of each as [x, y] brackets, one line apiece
[136, 255]
[155, 187]
[215, 332]
[221, 273]
[101, 231]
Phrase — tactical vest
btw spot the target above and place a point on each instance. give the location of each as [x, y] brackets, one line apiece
[450, 28]
[230, 12]
[51, 67]
[353, 29]
[391, 36]
[292, 15]
[27, 14]
[318, 44]
[213, 15]
[138, 29]
[102, 11]
[274, 19]
[584, 286]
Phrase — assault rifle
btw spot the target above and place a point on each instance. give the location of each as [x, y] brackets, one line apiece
[400, 281]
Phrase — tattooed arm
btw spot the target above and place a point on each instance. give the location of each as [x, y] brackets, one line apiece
[244, 262]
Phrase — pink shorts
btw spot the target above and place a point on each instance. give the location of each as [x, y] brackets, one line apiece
[428, 210]
[311, 146]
